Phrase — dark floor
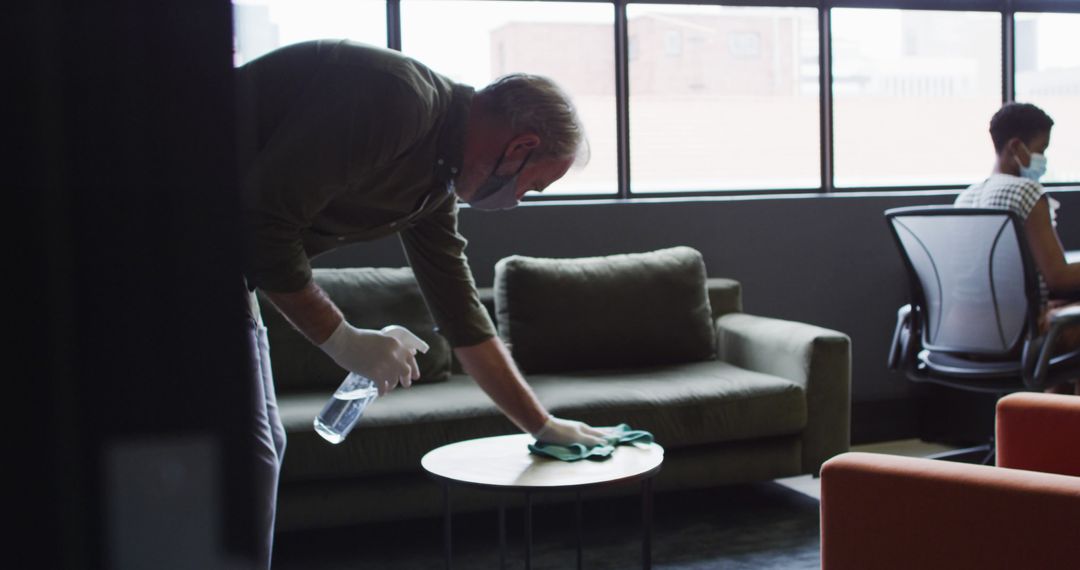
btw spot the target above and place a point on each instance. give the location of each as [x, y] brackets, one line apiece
[754, 526]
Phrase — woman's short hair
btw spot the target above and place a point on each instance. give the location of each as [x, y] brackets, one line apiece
[534, 103]
[1018, 120]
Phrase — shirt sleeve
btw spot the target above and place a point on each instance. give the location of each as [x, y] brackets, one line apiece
[1024, 196]
[436, 251]
[339, 133]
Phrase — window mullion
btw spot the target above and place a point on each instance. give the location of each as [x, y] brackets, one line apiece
[393, 24]
[825, 99]
[1008, 53]
[622, 100]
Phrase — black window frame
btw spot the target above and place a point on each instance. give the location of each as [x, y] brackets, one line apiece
[1006, 8]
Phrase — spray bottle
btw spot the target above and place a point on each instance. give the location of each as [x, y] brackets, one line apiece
[343, 410]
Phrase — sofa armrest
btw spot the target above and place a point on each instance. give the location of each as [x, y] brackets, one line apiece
[818, 359]
[1039, 432]
[885, 512]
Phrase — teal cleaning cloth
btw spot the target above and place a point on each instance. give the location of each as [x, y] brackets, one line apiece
[618, 435]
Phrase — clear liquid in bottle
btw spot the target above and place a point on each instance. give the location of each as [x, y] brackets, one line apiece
[343, 410]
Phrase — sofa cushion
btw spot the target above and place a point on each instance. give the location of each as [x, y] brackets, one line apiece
[618, 311]
[682, 405]
[369, 297]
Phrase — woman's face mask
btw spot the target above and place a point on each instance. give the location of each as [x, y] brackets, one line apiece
[1036, 167]
[498, 192]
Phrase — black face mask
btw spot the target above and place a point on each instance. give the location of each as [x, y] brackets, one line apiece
[498, 192]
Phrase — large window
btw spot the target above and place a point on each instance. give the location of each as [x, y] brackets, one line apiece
[1048, 75]
[701, 97]
[571, 42]
[261, 26]
[913, 95]
[723, 98]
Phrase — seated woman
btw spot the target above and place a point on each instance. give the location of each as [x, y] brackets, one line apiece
[1021, 134]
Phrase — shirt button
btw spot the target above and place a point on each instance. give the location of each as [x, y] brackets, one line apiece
[453, 169]
[341, 238]
[440, 161]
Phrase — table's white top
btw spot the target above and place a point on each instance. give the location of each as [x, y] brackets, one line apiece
[505, 461]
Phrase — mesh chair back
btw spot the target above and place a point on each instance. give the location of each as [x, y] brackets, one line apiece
[971, 276]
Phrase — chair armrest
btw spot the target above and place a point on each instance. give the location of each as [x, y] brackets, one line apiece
[1039, 432]
[1065, 316]
[818, 359]
[1059, 319]
[886, 512]
[905, 342]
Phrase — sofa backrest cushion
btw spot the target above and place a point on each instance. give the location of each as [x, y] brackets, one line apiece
[725, 296]
[617, 311]
[370, 298]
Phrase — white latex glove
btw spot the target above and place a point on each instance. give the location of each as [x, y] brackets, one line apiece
[565, 432]
[387, 357]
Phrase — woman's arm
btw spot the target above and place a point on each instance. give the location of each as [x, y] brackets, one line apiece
[1060, 276]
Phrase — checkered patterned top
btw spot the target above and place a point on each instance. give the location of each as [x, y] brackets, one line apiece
[1002, 191]
[1007, 192]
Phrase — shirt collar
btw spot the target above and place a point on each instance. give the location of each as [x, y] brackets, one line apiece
[450, 150]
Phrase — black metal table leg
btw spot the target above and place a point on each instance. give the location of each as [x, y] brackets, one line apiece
[646, 523]
[528, 530]
[578, 517]
[502, 531]
[447, 537]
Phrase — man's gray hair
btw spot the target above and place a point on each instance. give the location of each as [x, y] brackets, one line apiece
[534, 103]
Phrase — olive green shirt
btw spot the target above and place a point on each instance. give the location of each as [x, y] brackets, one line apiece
[343, 142]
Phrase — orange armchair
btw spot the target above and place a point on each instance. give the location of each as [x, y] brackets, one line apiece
[885, 512]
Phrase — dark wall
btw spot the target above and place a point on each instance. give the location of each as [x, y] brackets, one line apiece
[826, 260]
[124, 387]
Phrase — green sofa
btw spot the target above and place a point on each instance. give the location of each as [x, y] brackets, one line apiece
[763, 399]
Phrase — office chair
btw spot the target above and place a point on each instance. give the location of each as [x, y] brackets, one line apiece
[972, 323]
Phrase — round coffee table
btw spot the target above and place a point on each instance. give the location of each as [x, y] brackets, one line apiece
[503, 463]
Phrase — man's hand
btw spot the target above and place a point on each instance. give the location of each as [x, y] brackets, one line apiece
[567, 432]
[387, 357]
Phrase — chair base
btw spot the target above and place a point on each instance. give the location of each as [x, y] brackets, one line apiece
[990, 377]
[994, 386]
